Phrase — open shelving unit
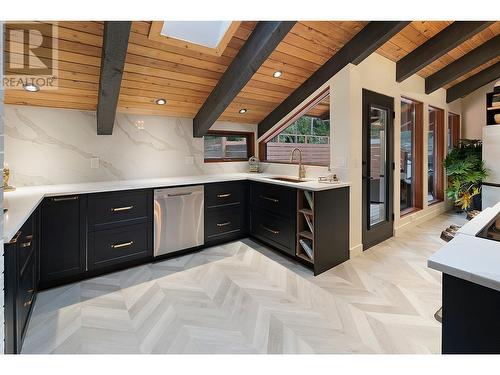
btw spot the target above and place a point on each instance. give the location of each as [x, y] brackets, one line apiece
[305, 225]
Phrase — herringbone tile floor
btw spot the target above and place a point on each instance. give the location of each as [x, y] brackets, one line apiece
[244, 298]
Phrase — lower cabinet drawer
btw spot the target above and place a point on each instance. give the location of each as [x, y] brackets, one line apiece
[120, 245]
[273, 229]
[279, 200]
[26, 243]
[225, 193]
[115, 209]
[223, 221]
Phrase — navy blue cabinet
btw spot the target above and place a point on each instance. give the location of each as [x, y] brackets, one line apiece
[63, 239]
[272, 210]
[20, 282]
[225, 211]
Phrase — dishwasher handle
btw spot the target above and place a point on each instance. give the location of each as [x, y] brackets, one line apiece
[179, 194]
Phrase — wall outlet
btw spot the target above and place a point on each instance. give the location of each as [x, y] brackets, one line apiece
[339, 162]
[94, 163]
[189, 160]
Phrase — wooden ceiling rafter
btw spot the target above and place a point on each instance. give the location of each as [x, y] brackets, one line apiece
[365, 42]
[437, 46]
[475, 58]
[472, 83]
[259, 45]
[114, 51]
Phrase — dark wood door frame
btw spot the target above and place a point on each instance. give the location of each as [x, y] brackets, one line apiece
[379, 232]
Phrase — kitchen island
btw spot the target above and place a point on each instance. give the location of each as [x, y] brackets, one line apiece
[471, 288]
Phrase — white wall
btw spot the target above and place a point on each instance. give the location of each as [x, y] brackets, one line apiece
[54, 146]
[474, 112]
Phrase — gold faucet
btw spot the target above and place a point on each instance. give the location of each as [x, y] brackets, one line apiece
[302, 169]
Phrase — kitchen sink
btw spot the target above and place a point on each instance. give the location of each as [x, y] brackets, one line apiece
[287, 179]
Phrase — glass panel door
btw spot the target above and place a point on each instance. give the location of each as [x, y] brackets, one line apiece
[377, 167]
[378, 163]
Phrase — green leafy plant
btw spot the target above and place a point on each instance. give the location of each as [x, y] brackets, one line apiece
[465, 170]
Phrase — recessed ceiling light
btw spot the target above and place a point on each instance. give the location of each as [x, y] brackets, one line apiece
[139, 124]
[31, 87]
[160, 101]
[277, 74]
[242, 110]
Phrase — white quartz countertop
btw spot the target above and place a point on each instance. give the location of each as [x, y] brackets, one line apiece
[21, 203]
[473, 227]
[469, 257]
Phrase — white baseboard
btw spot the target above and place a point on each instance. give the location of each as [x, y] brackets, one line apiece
[419, 217]
[356, 250]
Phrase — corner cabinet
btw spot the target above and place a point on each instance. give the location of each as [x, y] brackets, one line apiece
[63, 238]
[310, 226]
[323, 227]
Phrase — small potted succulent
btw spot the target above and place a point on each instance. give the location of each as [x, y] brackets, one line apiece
[465, 170]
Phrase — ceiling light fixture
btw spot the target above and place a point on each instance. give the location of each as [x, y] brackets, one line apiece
[139, 124]
[242, 110]
[160, 101]
[31, 87]
[277, 74]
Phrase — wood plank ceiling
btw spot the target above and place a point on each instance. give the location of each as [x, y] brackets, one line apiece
[185, 78]
[418, 32]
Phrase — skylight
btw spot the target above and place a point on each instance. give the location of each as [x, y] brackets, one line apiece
[205, 33]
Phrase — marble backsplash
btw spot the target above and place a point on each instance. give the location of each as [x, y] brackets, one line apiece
[54, 146]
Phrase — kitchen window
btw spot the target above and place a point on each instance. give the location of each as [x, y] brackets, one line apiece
[411, 170]
[435, 149]
[220, 146]
[308, 129]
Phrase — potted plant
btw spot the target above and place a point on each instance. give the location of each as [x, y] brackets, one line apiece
[465, 170]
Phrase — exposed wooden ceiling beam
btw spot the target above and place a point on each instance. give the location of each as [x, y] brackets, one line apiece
[477, 57]
[260, 44]
[443, 42]
[114, 50]
[478, 80]
[364, 43]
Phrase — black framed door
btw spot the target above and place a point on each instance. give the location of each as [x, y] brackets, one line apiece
[377, 167]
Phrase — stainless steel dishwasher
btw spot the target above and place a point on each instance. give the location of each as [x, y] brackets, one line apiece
[178, 219]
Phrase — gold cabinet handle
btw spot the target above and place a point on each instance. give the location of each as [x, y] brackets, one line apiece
[223, 195]
[117, 209]
[273, 231]
[25, 244]
[223, 224]
[124, 244]
[65, 199]
[28, 303]
[274, 200]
